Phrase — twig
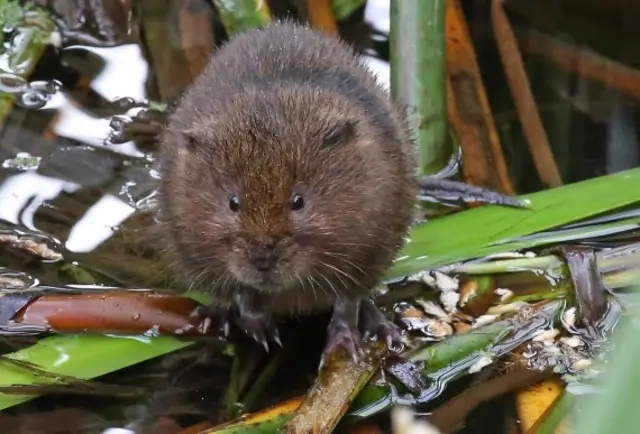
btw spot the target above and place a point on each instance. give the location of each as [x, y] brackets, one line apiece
[468, 108]
[321, 16]
[177, 42]
[333, 392]
[523, 97]
[587, 283]
[450, 416]
[583, 62]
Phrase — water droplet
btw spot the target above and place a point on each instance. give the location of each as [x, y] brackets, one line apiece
[11, 83]
[118, 122]
[128, 103]
[148, 203]
[22, 161]
[47, 87]
[116, 138]
[32, 99]
[135, 317]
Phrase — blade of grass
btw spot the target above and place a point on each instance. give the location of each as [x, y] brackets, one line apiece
[614, 409]
[81, 356]
[477, 232]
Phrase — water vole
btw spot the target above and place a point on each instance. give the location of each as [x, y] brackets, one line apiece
[288, 183]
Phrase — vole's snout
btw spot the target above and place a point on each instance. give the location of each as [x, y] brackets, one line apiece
[263, 259]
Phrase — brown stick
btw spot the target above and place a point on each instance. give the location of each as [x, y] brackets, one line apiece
[523, 97]
[450, 416]
[178, 39]
[583, 62]
[123, 312]
[321, 16]
[468, 108]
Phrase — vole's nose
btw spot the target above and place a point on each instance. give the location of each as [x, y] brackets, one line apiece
[264, 259]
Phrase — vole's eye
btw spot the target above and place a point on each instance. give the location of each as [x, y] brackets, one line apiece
[234, 203]
[297, 202]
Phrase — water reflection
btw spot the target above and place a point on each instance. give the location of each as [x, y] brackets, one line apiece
[98, 224]
[21, 196]
[69, 169]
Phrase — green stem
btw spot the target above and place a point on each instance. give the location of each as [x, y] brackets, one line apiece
[417, 51]
[618, 266]
[241, 15]
[262, 382]
[233, 391]
[343, 8]
[509, 265]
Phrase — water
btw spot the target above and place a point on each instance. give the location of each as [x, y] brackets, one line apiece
[73, 185]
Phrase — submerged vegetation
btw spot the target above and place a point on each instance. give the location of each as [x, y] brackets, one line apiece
[517, 318]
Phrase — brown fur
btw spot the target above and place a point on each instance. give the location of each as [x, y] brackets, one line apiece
[281, 110]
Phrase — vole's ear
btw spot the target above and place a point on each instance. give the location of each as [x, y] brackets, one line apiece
[189, 141]
[182, 140]
[339, 133]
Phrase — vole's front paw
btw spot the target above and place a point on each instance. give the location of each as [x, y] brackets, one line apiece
[374, 323]
[212, 316]
[343, 331]
[341, 335]
[260, 327]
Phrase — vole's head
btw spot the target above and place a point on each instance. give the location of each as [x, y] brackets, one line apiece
[281, 189]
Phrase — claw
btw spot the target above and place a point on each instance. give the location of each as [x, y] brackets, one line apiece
[256, 325]
[376, 324]
[354, 356]
[389, 339]
[342, 330]
[276, 337]
[205, 326]
[207, 315]
[342, 337]
[323, 361]
[225, 329]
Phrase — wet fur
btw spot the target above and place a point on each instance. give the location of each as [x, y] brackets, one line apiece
[275, 110]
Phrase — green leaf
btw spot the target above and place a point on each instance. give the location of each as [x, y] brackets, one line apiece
[241, 15]
[479, 232]
[80, 356]
[343, 8]
[614, 408]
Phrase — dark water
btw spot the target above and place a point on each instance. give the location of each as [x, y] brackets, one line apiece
[63, 181]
